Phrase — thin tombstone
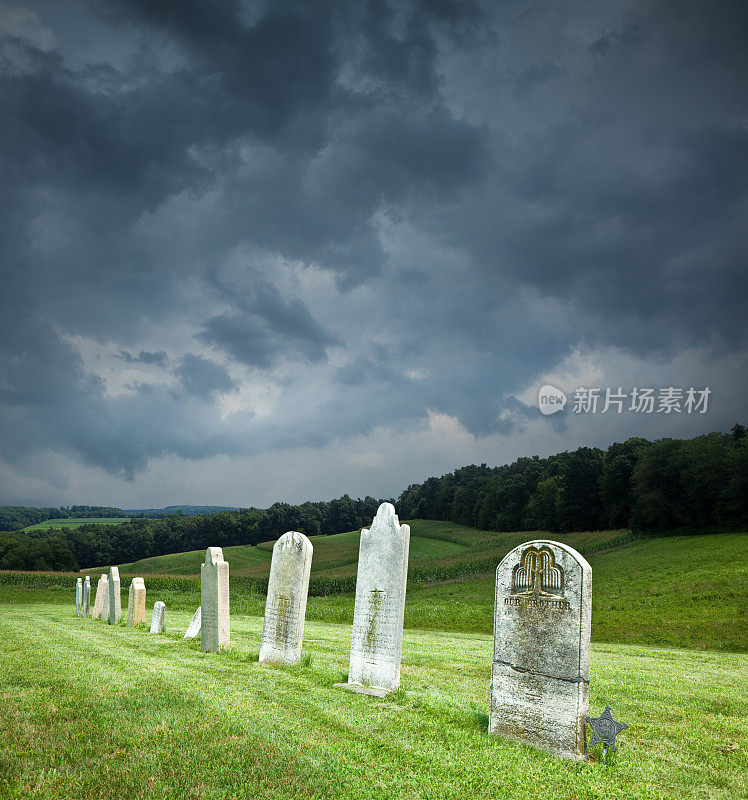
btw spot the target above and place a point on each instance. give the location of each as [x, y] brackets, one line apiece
[86, 596]
[377, 636]
[193, 629]
[285, 607]
[78, 597]
[101, 593]
[115, 596]
[214, 601]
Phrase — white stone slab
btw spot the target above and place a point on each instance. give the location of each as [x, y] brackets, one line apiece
[541, 660]
[101, 594]
[115, 596]
[214, 601]
[285, 608]
[158, 616]
[377, 637]
[194, 626]
[136, 602]
[86, 595]
[78, 597]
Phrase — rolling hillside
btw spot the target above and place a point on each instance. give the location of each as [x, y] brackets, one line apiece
[74, 522]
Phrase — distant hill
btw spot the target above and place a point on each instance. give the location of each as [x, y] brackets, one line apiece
[184, 511]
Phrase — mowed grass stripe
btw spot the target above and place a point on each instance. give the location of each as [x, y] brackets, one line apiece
[116, 712]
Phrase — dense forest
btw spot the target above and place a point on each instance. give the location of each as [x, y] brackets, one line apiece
[698, 485]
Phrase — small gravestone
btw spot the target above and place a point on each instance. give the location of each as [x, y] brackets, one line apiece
[541, 658]
[194, 626]
[214, 601]
[86, 595]
[115, 596]
[101, 593]
[157, 618]
[79, 597]
[283, 628]
[136, 602]
[377, 637]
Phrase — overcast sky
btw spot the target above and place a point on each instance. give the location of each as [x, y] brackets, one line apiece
[281, 251]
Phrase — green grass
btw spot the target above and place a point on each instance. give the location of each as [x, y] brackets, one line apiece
[113, 712]
[677, 591]
[74, 522]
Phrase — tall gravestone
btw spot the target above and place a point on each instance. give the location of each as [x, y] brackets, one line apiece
[195, 624]
[214, 601]
[285, 608]
[78, 597]
[105, 606]
[86, 595]
[157, 618]
[101, 593]
[377, 637]
[115, 596]
[541, 655]
[136, 602]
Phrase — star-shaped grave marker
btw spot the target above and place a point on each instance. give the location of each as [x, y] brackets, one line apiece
[605, 729]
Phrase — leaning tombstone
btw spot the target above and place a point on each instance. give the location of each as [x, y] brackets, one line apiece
[136, 602]
[157, 618]
[283, 628]
[79, 597]
[194, 626]
[541, 656]
[115, 597]
[86, 595]
[214, 601]
[377, 637]
[101, 593]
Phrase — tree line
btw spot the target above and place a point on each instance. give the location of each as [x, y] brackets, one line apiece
[696, 485]
[96, 544]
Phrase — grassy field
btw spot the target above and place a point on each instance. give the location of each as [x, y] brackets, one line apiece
[74, 522]
[113, 712]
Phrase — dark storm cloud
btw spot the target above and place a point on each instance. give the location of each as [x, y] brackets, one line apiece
[490, 185]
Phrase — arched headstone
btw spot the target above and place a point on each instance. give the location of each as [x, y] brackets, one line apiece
[541, 657]
[214, 601]
[285, 608]
[377, 636]
[157, 618]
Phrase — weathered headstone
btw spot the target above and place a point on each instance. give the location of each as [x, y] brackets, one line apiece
[78, 597]
[86, 595]
[214, 601]
[136, 602]
[157, 618]
[101, 594]
[195, 625]
[541, 657]
[377, 638]
[283, 628]
[115, 597]
[105, 606]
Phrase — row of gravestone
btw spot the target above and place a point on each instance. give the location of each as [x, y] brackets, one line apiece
[108, 603]
[541, 655]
